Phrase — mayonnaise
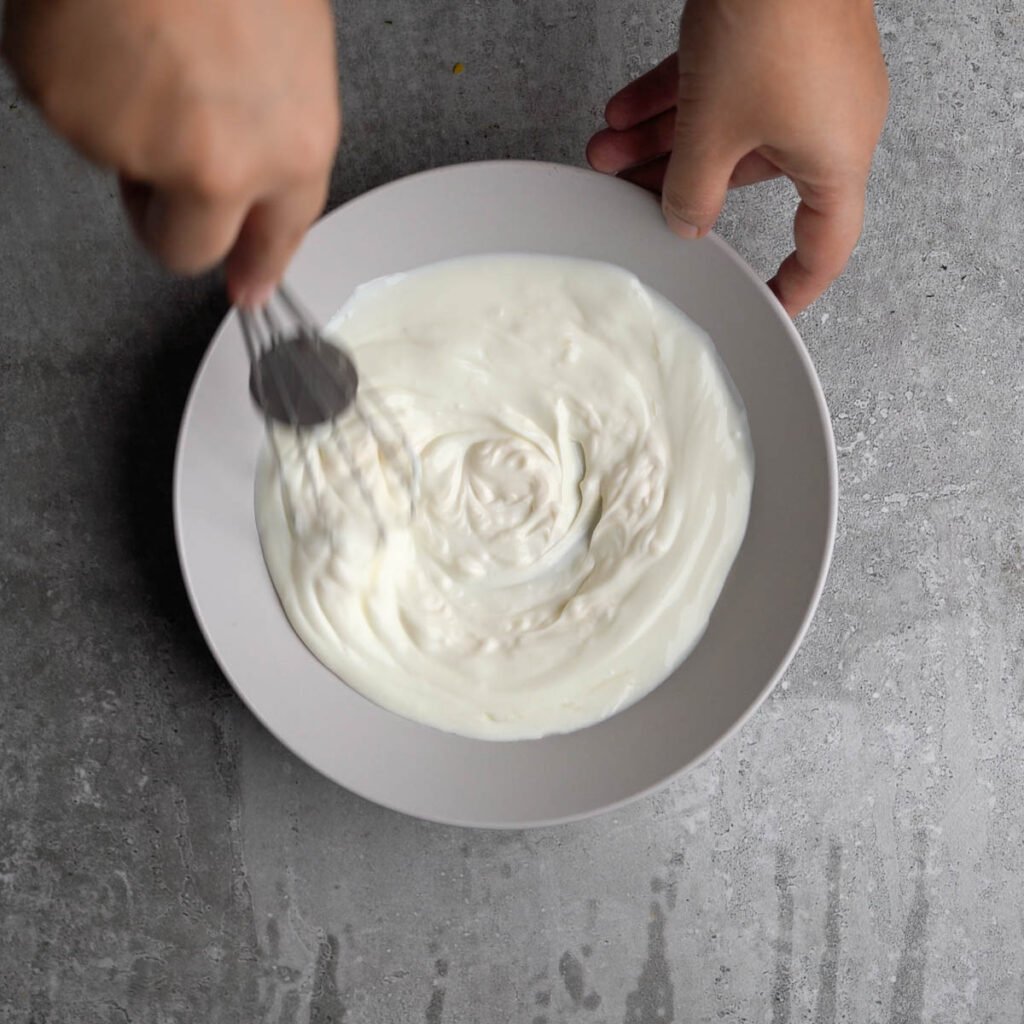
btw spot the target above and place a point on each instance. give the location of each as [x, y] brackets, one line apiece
[586, 475]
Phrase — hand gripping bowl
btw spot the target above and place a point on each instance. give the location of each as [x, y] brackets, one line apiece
[756, 626]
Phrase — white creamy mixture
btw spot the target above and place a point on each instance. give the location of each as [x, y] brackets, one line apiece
[586, 480]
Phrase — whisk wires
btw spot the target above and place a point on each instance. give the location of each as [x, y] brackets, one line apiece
[308, 384]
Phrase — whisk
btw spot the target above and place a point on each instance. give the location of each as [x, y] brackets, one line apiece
[301, 380]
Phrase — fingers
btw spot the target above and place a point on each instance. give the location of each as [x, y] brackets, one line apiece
[612, 151]
[825, 230]
[190, 235]
[707, 146]
[187, 233]
[644, 98]
[697, 176]
[826, 227]
[751, 170]
[191, 232]
[650, 176]
[270, 235]
[665, 139]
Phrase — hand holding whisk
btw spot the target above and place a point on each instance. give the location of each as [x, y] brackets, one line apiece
[303, 381]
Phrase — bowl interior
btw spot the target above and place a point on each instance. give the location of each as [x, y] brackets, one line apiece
[762, 613]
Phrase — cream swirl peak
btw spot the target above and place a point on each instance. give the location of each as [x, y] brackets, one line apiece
[586, 481]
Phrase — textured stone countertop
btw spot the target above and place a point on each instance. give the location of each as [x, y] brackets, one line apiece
[856, 853]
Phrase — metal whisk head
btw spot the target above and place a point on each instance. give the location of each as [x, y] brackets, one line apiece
[295, 376]
[301, 380]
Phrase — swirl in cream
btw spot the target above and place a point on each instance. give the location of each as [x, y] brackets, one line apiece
[586, 481]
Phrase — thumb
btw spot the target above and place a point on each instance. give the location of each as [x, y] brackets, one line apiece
[699, 169]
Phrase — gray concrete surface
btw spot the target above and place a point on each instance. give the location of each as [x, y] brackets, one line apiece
[855, 854]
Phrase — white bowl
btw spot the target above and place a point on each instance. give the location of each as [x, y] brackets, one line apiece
[756, 626]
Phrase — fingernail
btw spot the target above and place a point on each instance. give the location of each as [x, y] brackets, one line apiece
[683, 228]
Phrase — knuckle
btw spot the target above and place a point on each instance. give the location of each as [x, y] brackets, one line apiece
[215, 180]
[211, 167]
[312, 146]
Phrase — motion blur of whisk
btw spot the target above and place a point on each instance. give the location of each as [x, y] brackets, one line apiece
[331, 435]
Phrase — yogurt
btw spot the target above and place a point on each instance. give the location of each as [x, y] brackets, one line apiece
[585, 481]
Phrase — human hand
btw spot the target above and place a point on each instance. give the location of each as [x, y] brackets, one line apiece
[220, 116]
[759, 89]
